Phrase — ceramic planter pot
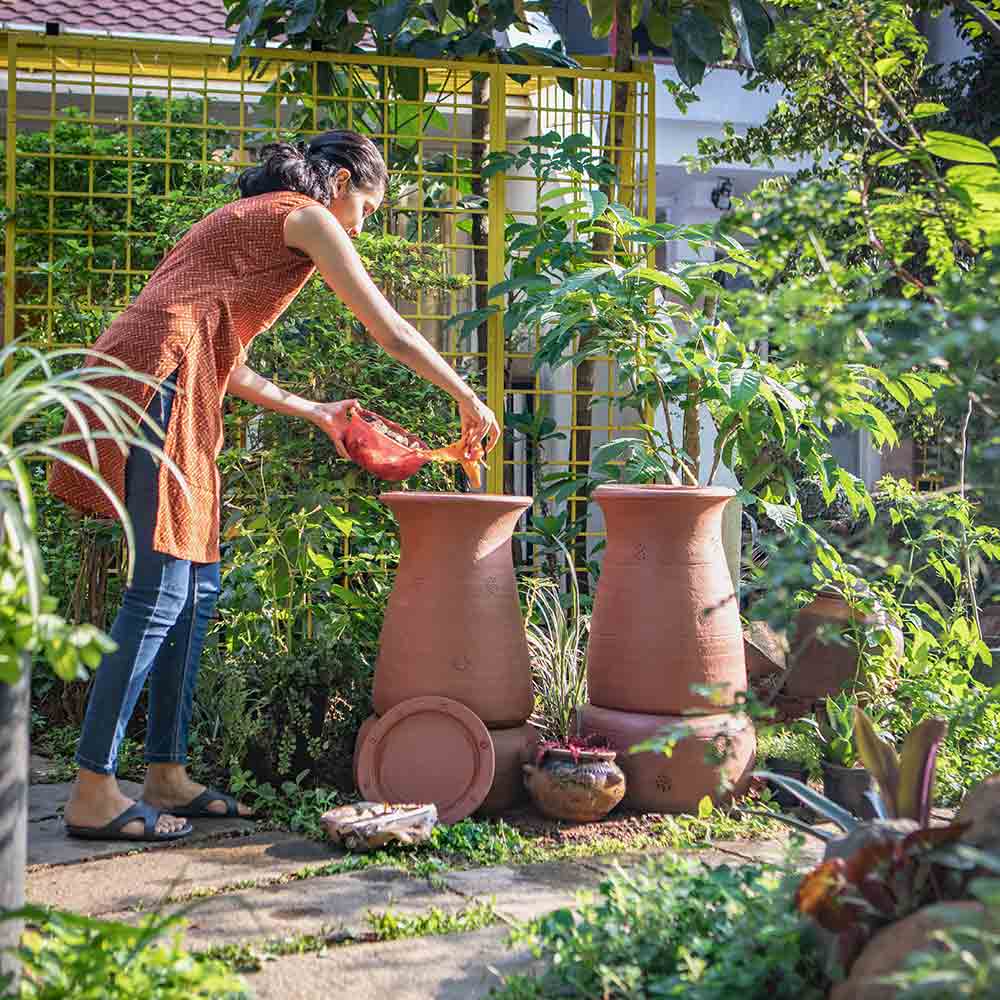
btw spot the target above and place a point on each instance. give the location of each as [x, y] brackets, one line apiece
[512, 749]
[675, 784]
[453, 624]
[788, 768]
[821, 667]
[847, 786]
[580, 788]
[665, 615]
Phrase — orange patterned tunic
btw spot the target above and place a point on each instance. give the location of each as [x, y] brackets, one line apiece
[230, 277]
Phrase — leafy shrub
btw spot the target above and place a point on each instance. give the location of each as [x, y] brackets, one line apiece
[676, 929]
[69, 957]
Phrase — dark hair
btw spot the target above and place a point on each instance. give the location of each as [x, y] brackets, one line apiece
[309, 167]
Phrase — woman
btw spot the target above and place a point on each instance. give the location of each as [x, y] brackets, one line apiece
[230, 277]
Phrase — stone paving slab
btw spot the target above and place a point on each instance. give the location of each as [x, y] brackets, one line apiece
[41, 770]
[334, 903]
[140, 881]
[49, 845]
[455, 967]
[527, 891]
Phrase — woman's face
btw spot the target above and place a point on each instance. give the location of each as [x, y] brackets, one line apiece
[351, 205]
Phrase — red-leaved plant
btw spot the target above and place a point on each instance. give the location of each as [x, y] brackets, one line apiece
[574, 745]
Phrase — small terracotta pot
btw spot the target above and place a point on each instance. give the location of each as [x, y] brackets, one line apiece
[675, 784]
[665, 615]
[512, 748]
[359, 741]
[825, 668]
[453, 624]
[580, 788]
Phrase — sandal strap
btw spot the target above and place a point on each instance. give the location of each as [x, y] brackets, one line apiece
[201, 803]
[138, 810]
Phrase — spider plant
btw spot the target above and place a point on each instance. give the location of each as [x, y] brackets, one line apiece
[30, 384]
[557, 642]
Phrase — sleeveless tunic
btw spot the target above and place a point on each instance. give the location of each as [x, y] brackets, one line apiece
[229, 278]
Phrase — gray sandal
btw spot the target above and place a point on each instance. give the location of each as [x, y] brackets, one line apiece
[149, 815]
[197, 808]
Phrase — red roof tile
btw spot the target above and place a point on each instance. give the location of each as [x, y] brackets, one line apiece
[180, 18]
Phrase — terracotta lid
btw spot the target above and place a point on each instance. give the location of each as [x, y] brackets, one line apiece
[660, 491]
[428, 749]
[394, 496]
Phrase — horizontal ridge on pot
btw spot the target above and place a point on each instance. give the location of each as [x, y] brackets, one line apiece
[657, 783]
[665, 615]
[453, 623]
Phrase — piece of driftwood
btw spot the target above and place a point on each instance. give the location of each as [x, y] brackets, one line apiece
[367, 826]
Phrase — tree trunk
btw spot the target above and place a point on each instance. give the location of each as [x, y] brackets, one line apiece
[584, 398]
[14, 714]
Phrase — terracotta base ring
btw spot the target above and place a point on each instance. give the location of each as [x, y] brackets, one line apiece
[676, 784]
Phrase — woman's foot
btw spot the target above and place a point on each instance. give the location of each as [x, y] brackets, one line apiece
[96, 800]
[167, 786]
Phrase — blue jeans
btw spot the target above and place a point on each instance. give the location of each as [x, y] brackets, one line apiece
[160, 630]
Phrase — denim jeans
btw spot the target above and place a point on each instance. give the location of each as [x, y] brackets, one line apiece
[160, 630]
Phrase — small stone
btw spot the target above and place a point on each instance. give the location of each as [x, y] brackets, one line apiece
[981, 808]
[366, 826]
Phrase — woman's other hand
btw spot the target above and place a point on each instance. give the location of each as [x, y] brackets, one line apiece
[478, 422]
[333, 418]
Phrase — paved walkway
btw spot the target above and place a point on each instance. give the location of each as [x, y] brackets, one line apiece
[241, 886]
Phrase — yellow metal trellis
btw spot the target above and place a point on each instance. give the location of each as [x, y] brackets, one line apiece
[109, 87]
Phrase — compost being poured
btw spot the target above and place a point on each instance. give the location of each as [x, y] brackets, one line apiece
[391, 452]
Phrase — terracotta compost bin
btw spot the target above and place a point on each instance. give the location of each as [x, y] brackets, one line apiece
[718, 746]
[665, 615]
[825, 667]
[453, 623]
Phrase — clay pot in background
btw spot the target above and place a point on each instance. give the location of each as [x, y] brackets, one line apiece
[665, 616]
[657, 783]
[453, 624]
[512, 748]
[580, 787]
[821, 668]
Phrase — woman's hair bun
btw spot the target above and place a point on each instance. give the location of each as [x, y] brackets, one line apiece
[307, 168]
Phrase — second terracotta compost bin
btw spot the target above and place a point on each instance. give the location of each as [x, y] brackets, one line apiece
[453, 687]
[665, 622]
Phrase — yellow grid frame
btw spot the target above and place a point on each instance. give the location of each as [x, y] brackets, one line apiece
[47, 74]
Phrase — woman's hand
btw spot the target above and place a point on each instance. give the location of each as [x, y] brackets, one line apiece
[478, 422]
[333, 418]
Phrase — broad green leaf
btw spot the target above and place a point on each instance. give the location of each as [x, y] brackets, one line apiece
[960, 148]
[753, 25]
[301, 16]
[602, 16]
[883, 67]
[927, 108]
[782, 514]
[660, 28]
[598, 203]
[665, 280]
[322, 562]
[744, 384]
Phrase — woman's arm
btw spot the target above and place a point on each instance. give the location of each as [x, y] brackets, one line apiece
[316, 232]
[331, 417]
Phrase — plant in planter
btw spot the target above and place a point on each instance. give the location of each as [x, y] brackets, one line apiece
[843, 781]
[575, 779]
[571, 777]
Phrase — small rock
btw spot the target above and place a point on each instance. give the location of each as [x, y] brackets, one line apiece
[366, 826]
[981, 808]
[886, 953]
